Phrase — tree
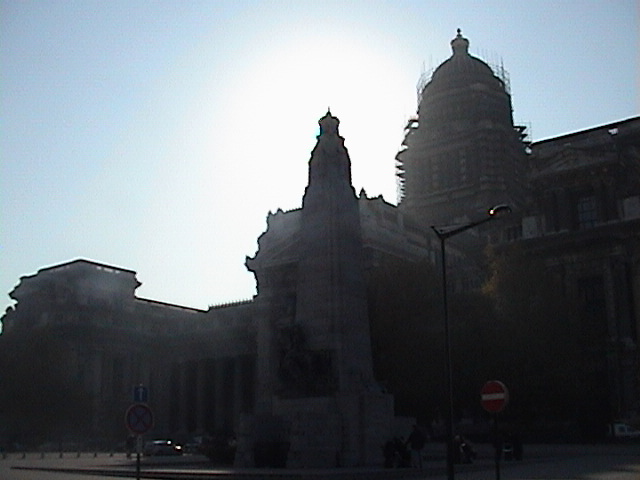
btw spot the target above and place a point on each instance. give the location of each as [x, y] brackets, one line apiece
[407, 329]
[517, 329]
[405, 339]
[534, 334]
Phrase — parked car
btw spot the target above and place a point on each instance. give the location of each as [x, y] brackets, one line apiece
[622, 430]
[161, 447]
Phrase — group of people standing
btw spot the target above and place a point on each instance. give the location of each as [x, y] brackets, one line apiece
[400, 453]
[405, 453]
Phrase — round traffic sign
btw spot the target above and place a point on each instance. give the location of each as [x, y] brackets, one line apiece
[139, 418]
[494, 396]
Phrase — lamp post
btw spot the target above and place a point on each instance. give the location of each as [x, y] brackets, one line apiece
[443, 233]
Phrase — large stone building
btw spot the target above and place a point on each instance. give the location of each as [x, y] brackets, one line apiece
[119, 341]
[575, 205]
[292, 367]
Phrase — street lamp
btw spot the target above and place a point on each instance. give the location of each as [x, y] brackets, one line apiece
[443, 233]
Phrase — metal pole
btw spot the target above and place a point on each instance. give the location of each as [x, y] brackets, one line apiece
[443, 233]
[138, 445]
[448, 369]
[498, 445]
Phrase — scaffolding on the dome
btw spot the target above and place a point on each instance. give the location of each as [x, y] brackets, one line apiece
[498, 70]
[412, 124]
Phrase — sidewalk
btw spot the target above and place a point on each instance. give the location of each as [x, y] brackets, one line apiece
[187, 467]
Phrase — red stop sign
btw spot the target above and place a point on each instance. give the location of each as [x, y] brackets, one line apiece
[494, 396]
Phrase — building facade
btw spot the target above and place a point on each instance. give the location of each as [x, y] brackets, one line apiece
[118, 341]
[575, 208]
[574, 200]
[583, 222]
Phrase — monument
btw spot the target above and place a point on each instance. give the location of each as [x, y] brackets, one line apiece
[317, 402]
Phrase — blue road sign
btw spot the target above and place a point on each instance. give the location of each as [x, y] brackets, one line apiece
[140, 394]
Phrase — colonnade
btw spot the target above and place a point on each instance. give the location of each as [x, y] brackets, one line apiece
[209, 395]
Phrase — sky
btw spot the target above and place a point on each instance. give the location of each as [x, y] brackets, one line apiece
[156, 136]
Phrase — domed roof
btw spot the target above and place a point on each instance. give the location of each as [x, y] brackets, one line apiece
[462, 67]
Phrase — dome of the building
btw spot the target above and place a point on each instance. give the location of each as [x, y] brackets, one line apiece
[463, 151]
[462, 69]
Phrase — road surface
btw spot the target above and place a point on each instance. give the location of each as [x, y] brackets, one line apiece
[543, 462]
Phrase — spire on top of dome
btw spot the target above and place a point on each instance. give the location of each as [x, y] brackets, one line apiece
[329, 124]
[460, 44]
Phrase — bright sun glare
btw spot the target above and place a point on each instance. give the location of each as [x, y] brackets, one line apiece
[293, 85]
[241, 145]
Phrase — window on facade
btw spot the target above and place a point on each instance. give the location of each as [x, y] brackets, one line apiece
[462, 160]
[117, 379]
[553, 215]
[587, 212]
[81, 373]
[630, 327]
[593, 312]
[435, 174]
[513, 233]
[452, 174]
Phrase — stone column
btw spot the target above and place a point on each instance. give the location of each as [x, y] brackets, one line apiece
[219, 394]
[200, 396]
[183, 404]
[92, 382]
[237, 392]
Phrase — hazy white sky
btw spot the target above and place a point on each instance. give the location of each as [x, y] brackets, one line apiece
[157, 135]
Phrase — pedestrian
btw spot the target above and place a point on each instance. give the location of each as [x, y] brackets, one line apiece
[467, 453]
[517, 447]
[131, 443]
[416, 442]
[402, 453]
[389, 451]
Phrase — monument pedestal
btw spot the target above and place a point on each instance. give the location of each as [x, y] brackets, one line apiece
[344, 430]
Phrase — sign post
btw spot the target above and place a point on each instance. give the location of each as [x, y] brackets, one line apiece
[494, 397]
[139, 420]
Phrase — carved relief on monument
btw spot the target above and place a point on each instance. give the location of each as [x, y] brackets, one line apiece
[303, 372]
